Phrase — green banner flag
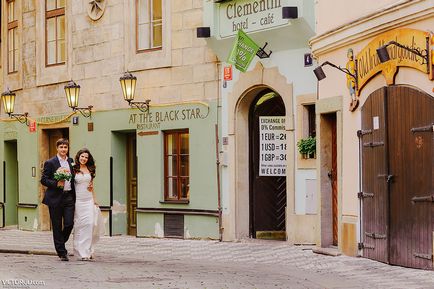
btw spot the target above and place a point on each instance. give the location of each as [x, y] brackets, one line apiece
[243, 51]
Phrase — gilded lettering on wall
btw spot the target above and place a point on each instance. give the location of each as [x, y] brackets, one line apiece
[368, 63]
[152, 120]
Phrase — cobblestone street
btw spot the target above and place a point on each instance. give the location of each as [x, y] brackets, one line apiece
[129, 262]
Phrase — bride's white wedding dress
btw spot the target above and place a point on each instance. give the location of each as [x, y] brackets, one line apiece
[84, 217]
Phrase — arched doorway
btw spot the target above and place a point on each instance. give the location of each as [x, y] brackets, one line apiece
[267, 155]
[397, 186]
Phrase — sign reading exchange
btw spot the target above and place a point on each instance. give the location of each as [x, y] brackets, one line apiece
[250, 16]
[272, 146]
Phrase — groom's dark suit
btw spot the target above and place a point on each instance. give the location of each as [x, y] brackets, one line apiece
[60, 203]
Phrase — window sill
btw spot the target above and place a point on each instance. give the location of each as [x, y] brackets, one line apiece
[306, 163]
[176, 202]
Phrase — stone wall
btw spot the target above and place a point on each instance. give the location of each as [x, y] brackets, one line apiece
[96, 58]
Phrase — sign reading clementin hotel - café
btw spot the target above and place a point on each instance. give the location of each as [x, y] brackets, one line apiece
[250, 16]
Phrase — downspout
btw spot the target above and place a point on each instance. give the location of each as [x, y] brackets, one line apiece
[360, 194]
[218, 155]
[4, 196]
[4, 216]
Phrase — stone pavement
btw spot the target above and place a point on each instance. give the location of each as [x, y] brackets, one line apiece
[129, 262]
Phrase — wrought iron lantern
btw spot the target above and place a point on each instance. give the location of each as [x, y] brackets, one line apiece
[72, 92]
[8, 98]
[128, 84]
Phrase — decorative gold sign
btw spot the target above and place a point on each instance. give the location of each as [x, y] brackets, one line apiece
[368, 63]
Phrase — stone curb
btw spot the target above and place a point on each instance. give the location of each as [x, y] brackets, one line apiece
[27, 252]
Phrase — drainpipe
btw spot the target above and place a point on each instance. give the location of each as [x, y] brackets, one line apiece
[219, 204]
[360, 194]
[2, 204]
[4, 216]
[218, 183]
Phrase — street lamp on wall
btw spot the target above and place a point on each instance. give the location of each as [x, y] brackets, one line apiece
[320, 74]
[352, 83]
[384, 56]
[72, 91]
[8, 98]
[128, 84]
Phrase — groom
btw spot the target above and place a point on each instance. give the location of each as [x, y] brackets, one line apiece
[60, 201]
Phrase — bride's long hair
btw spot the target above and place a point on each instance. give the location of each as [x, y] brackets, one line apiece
[90, 162]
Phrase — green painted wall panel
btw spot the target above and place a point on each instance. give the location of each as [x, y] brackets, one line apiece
[201, 227]
[108, 140]
[98, 143]
[150, 170]
[150, 225]
[28, 219]
[28, 156]
[118, 152]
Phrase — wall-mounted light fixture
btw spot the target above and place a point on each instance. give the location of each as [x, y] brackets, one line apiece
[384, 56]
[352, 83]
[289, 12]
[8, 98]
[128, 84]
[320, 75]
[203, 32]
[72, 91]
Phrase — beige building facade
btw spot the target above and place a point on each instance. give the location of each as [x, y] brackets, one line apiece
[363, 115]
[46, 44]
[268, 188]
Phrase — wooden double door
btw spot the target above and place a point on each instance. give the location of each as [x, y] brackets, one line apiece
[397, 177]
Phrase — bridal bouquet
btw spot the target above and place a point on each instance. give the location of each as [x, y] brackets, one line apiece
[62, 174]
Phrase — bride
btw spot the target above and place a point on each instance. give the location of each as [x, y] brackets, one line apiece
[84, 169]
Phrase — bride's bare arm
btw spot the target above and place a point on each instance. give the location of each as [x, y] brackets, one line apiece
[90, 188]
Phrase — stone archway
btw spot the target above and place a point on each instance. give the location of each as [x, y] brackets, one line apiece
[239, 102]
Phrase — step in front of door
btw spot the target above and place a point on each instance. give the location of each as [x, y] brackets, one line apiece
[271, 235]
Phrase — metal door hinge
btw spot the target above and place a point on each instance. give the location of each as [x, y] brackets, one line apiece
[365, 246]
[373, 144]
[429, 199]
[375, 235]
[427, 128]
[362, 132]
[423, 256]
[361, 195]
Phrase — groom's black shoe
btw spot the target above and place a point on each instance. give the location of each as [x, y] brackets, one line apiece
[64, 258]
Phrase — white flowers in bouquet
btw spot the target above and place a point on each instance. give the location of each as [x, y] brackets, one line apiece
[62, 174]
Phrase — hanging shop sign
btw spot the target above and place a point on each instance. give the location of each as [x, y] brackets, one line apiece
[368, 63]
[227, 72]
[32, 126]
[243, 51]
[250, 16]
[272, 146]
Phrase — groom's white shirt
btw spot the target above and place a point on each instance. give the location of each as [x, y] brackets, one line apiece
[64, 164]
